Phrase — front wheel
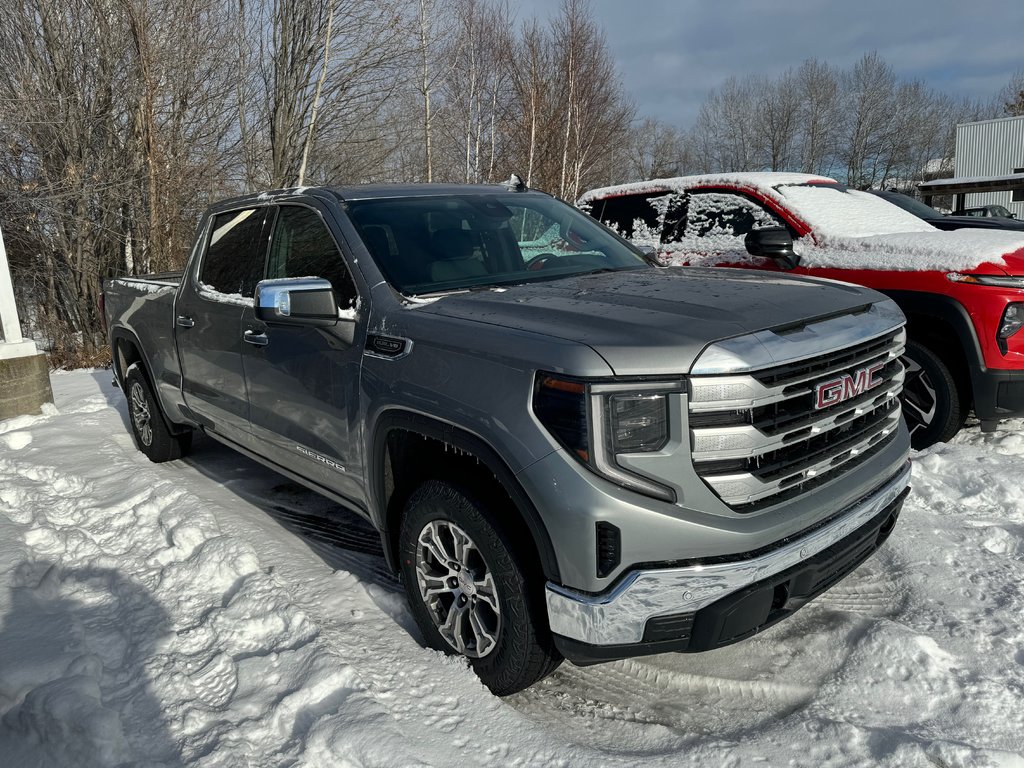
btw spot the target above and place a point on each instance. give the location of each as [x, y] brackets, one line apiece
[468, 591]
[931, 398]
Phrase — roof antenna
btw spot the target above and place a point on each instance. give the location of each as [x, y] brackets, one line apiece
[515, 184]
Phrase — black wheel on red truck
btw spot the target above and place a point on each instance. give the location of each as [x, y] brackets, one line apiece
[469, 591]
[149, 428]
[932, 402]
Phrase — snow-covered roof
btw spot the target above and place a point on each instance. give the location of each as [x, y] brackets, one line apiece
[958, 180]
[938, 165]
[759, 180]
[847, 213]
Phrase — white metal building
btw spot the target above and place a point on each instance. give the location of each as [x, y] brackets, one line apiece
[992, 148]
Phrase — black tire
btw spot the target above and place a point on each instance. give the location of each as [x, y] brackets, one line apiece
[521, 650]
[149, 428]
[932, 401]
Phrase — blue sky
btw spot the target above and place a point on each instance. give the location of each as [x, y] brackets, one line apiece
[670, 53]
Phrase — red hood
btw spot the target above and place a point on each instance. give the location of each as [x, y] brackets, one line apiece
[1013, 264]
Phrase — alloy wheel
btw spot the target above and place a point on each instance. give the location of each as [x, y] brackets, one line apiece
[920, 402]
[141, 416]
[458, 589]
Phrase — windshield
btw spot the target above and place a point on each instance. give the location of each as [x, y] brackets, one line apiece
[835, 211]
[456, 242]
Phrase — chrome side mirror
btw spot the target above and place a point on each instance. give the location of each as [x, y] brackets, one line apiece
[296, 301]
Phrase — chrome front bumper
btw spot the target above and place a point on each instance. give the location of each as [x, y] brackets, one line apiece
[618, 617]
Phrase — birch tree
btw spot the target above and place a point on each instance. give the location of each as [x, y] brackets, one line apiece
[318, 68]
[477, 87]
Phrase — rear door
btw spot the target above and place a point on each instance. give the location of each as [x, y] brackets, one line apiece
[215, 302]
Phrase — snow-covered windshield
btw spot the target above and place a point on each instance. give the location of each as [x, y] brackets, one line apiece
[833, 210]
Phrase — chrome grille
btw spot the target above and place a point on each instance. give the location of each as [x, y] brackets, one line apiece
[758, 438]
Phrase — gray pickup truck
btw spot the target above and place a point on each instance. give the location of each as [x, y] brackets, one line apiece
[569, 451]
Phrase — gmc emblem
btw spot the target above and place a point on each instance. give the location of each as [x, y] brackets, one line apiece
[846, 385]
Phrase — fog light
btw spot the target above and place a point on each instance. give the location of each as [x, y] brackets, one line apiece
[1013, 320]
[609, 548]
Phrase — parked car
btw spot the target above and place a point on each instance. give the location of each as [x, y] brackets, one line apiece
[986, 211]
[567, 451]
[941, 220]
[962, 291]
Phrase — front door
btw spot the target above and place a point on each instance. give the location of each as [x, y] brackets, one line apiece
[303, 382]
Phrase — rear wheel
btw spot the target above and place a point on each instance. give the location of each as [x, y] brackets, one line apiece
[150, 430]
[468, 591]
[931, 399]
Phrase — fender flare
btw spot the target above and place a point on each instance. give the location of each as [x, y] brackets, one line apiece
[952, 312]
[983, 392]
[120, 333]
[450, 434]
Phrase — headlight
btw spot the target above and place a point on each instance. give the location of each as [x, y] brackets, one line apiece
[1013, 320]
[637, 423]
[998, 281]
[599, 421]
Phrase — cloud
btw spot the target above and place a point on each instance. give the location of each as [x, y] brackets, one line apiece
[671, 53]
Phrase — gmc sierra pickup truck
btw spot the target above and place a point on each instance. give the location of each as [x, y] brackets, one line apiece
[962, 291]
[568, 450]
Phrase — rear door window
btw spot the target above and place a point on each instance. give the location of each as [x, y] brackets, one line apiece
[636, 217]
[234, 255]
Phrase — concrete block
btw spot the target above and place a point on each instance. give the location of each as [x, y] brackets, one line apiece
[24, 385]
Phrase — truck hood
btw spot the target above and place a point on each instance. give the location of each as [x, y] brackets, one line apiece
[654, 321]
[959, 250]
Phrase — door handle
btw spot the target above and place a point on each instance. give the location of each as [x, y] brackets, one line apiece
[257, 339]
[184, 321]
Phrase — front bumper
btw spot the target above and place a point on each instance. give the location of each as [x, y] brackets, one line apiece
[707, 605]
[998, 394]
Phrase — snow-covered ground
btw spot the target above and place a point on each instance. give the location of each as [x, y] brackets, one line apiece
[206, 612]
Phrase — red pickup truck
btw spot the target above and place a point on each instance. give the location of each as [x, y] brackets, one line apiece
[962, 291]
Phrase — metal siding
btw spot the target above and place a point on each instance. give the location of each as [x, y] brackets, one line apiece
[991, 148]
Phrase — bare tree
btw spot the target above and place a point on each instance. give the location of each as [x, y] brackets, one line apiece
[340, 54]
[1011, 97]
[115, 115]
[597, 112]
[476, 92]
[818, 88]
[435, 34]
[532, 78]
[726, 134]
[568, 91]
[779, 108]
[869, 92]
[654, 150]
